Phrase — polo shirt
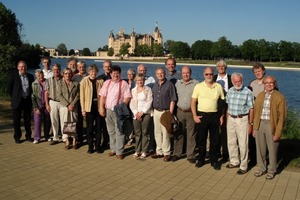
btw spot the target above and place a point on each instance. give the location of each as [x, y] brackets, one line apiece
[184, 93]
[208, 96]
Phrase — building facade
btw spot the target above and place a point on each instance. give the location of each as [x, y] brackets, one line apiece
[133, 40]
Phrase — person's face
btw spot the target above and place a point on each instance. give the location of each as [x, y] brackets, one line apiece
[39, 77]
[160, 74]
[106, 67]
[22, 68]
[93, 74]
[221, 69]
[170, 65]
[130, 75]
[140, 82]
[81, 69]
[67, 75]
[208, 75]
[259, 73]
[72, 65]
[46, 63]
[269, 84]
[186, 74]
[55, 71]
[142, 70]
[115, 75]
[237, 82]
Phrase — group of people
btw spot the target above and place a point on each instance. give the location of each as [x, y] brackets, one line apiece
[218, 117]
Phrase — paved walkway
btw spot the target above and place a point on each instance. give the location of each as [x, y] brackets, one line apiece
[40, 171]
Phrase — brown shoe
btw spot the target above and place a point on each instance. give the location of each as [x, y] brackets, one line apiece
[120, 157]
[111, 153]
[67, 147]
[167, 158]
[156, 156]
[53, 142]
[74, 147]
[230, 166]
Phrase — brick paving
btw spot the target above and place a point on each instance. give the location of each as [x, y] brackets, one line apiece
[41, 171]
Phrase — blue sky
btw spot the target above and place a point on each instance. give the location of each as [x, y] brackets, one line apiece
[81, 24]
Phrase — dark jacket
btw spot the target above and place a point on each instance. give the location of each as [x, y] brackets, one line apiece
[122, 113]
[14, 88]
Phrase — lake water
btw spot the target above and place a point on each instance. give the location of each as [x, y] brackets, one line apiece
[288, 80]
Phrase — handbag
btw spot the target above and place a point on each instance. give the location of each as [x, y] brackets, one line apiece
[70, 127]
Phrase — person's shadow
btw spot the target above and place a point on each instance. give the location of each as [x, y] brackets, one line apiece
[288, 150]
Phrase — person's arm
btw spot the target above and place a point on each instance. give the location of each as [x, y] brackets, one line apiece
[197, 118]
[250, 118]
[102, 106]
[172, 106]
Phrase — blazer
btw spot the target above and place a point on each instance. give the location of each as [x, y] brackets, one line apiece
[36, 94]
[68, 96]
[14, 87]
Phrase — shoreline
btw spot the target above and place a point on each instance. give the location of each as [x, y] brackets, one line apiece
[149, 60]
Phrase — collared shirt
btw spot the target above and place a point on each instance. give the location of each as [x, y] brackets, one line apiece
[47, 74]
[25, 85]
[257, 87]
[52, 86]
[208, 96]
[223, 81]
[78, 77]
[163, 95]
[149, 81]
[239, 101]
[141, 101]
[184, 93]
[174, 77]
[110, 90]
[265, 114]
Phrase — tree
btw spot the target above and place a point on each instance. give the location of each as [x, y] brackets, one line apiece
[296, 51]
[248, 49]
[124, 49]
[201, 49]
[285, 50]
[157, 50]
[222, 48]
[143, 50]
[71, 52]
[62, 49]
[86, 52]
[180, 49]
[110, 52]
[105, 48]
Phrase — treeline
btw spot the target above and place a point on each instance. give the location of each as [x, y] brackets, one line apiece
[250, 50]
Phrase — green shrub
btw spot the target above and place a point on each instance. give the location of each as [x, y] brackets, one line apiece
[292, 125]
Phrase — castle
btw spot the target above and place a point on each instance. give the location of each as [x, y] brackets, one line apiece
[134, 40]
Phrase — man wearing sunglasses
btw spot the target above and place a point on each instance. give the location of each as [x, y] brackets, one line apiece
[204, 106]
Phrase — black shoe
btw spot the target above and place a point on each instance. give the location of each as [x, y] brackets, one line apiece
[99, 151]
[216, 165]
[90, 151]
[28, 139]
[17, 141]
[175, 158]
[199, 163]
[192, 161]
[225, 158]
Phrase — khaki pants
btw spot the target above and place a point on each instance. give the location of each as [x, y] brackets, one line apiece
[163, 144]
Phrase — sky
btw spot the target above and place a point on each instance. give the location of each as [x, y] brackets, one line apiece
[87, 24]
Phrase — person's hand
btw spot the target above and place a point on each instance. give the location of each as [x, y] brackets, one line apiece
[70, 107]
[197, 119]
[37, 111]
[139, 116]
[221, 120]
[276, 138]
[102, 112]
[83, 113]
[254, 133]
[250, 129]
[48, 108]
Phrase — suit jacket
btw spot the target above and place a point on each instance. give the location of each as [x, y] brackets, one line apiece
[15, 88]
[228, 78]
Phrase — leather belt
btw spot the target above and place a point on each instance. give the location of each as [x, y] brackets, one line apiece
[238, 116]
[206, 113]
[53, 100]
[160, 110]
[184, 110]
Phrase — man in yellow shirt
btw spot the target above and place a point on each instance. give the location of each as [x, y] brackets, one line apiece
[204, 106]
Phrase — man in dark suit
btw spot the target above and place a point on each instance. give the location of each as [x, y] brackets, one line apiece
[224, 80]
[20, 90]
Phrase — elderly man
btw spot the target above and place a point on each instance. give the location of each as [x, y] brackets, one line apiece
[114, 93]
[106, 69]
[72, 64]
[184, 89]
[52, 100]
[269, 117]
[164, 98]
[239, 124]
[20, 90]
[224, 80]
[204, 106]
[172, 75]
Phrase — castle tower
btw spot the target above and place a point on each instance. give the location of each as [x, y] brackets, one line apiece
[111, 39]
[132, 41]
[157, 35]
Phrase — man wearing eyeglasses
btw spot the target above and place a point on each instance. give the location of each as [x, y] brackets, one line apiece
[269, 117]
[239, 123]
[204, 106]
[46, 62]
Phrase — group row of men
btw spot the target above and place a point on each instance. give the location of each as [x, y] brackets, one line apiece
[220, 109]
